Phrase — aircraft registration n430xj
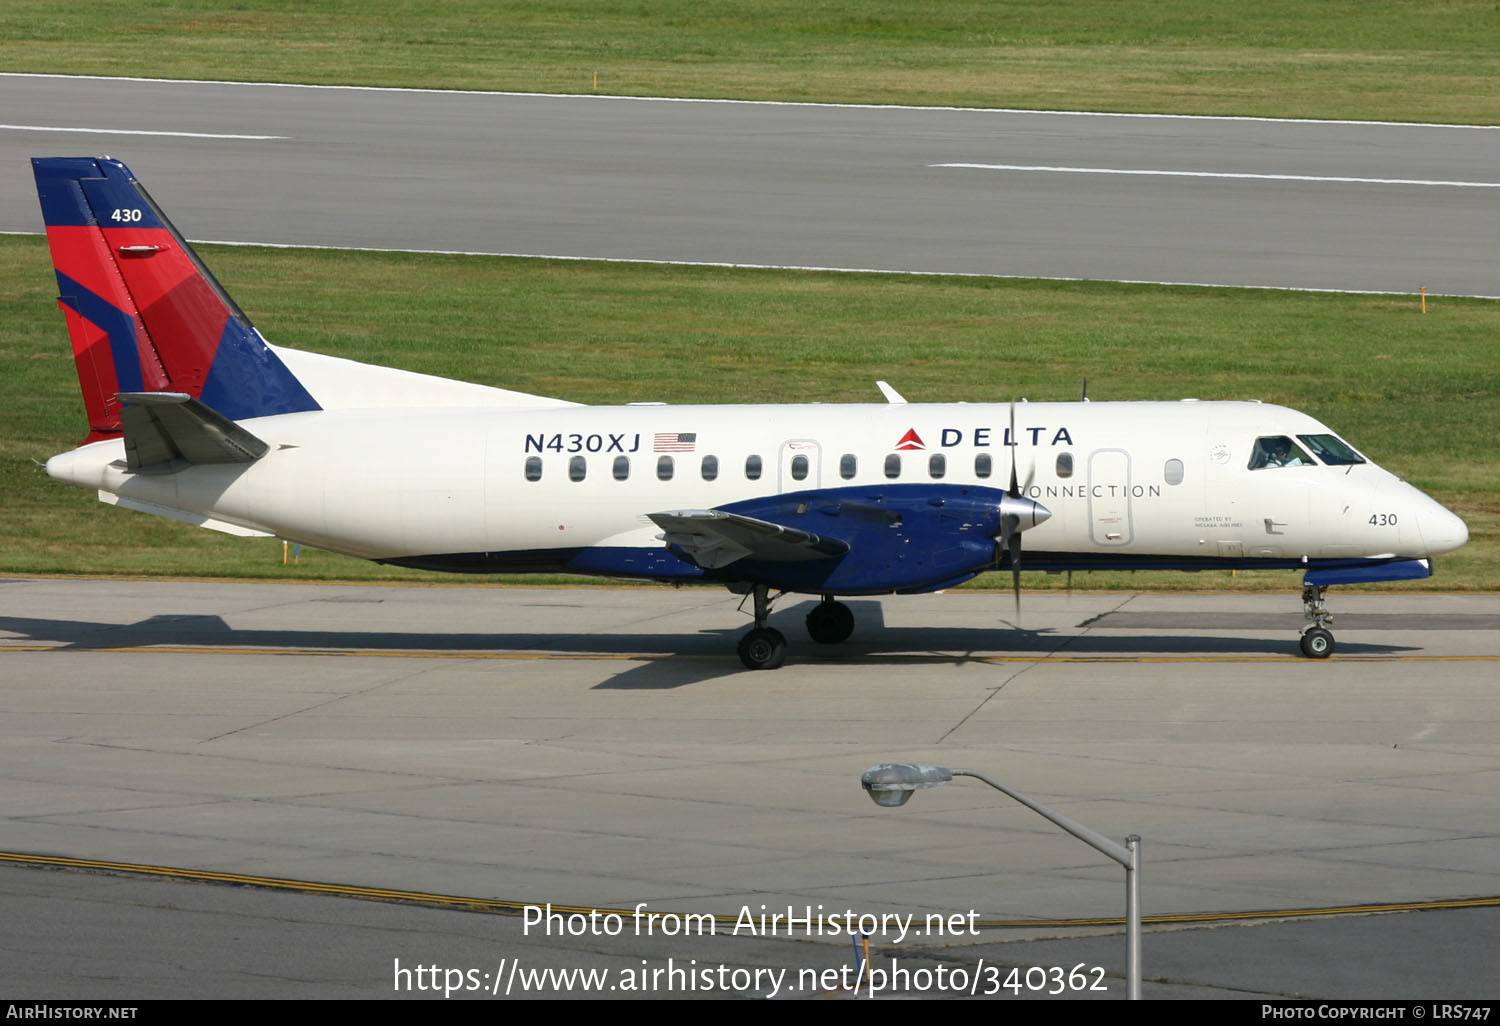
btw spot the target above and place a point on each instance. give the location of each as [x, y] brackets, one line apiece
[193, 416]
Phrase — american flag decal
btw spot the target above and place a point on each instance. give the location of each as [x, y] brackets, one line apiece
[675, 441]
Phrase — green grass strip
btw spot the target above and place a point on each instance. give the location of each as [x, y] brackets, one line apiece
[1431, 61]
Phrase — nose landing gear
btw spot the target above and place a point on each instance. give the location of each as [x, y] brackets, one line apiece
[1317, 639]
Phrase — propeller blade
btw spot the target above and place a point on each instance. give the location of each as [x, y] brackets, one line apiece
[1017, 514]
[1015, 489]
[1014, 543]
[1015, 511]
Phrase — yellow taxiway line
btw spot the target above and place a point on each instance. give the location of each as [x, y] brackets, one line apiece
[507, 907]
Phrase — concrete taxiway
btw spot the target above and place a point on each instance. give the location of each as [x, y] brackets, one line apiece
[602, 747]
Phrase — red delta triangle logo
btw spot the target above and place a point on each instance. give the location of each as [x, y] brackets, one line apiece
[911, 440]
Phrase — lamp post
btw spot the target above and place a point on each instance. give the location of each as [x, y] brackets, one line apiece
[891, 784]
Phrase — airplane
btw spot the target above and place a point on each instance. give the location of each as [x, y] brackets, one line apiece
[193, 416]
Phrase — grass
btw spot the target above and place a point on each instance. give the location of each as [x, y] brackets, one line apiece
[1430, 61]
[1418, 393]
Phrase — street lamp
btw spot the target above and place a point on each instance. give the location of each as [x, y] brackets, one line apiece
[891, 784]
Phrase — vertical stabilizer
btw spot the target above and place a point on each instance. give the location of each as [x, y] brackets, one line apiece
[144, 314]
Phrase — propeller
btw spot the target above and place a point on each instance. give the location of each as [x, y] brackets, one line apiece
[1010, 540]
[1085, 398]
[1017, 513]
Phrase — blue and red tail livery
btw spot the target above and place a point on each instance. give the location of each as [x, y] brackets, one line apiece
[143, 313]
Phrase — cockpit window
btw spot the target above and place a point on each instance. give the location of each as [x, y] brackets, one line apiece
[1332, 450]
[1277, 451]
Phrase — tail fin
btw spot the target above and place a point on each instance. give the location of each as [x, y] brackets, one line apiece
[144, 313]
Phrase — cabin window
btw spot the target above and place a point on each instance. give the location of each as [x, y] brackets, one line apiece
[1332, 450]
[664, 468]
[710, 468]
[578, 468]
[937, 465]
[799, 468]
[893, 465]
[752, 468]
[1172, 472]
[533, 468]
[1277, 451]
[622, 468]
[1064, 464]
[848, 466]
[984, 465]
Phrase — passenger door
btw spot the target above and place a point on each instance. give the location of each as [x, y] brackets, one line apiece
[1109, 498]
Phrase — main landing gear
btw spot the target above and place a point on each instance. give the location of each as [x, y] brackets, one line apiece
[1317, 639]
[830, 622]
[763, 648]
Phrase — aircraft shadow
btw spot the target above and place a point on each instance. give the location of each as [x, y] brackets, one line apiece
[678, 659]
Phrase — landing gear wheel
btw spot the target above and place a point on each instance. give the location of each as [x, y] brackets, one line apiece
[830, 623]
[764, 648]
[1317, 643]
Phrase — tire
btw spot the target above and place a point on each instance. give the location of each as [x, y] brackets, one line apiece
[1317, 643]
[762, 649]
[830, 623]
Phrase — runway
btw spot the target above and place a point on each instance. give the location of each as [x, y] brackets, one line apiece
[1320, 205]
[602, 747]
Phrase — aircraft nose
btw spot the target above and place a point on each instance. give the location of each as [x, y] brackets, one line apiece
[1442, 530]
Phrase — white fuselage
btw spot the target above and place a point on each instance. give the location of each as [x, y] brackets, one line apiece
[1126, 483]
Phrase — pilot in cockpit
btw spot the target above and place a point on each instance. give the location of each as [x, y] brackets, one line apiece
[1277, 451]
[1282, 455]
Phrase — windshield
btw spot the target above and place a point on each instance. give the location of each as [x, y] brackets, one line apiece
[1332, 450]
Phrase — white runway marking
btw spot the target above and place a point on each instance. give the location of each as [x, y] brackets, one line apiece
[128, 131]
[1221, 174]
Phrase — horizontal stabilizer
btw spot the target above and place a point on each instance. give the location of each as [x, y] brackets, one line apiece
[162, 428]
[714, 538]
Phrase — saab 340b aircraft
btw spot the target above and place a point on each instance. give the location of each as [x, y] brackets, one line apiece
[193, 416]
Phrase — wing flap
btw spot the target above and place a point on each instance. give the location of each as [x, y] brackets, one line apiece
[713, 538]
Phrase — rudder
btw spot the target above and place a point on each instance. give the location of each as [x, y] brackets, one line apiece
[144, 314]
